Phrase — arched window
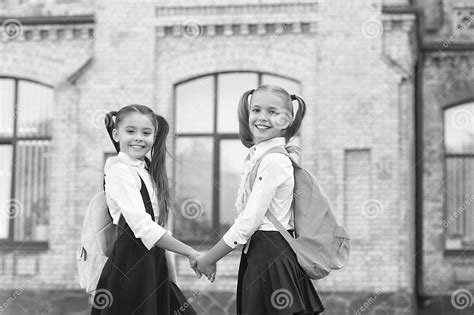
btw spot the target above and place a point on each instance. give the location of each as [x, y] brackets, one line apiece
[459, 145]
[209, 155]
[25, 137]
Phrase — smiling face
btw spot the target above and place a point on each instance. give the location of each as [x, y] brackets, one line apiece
[268, 116]
[136, 134]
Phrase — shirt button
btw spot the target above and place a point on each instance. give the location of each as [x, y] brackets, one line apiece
[235, 243]
[260, 178]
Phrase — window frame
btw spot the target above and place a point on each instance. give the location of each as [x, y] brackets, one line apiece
[9, 244]
[217, 137]
[464, 249]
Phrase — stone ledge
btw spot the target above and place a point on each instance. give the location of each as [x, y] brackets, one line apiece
[49, 20]
[47, 28]
[195, 29]
[403, 21]
[248, 19]
[246, 9]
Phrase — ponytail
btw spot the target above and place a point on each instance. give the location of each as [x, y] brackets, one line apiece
[157, 168]
[110, 125]
[298, 117]
[298, 113]
[245, 134]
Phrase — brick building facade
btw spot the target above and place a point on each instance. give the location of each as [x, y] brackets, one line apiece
[380, 77]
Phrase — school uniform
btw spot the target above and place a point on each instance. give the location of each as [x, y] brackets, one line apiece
[136, 274]
[270, 280]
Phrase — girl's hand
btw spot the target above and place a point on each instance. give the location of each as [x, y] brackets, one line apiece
[206, 268]
[193, 262]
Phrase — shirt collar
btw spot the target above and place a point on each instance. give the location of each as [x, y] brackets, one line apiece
[132, 161]
[259, 149]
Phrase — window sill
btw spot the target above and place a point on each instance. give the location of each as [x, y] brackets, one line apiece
[458, 251]
[24, 245]
[456, 246]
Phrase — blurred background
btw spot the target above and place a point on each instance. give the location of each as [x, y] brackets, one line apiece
[389, 134]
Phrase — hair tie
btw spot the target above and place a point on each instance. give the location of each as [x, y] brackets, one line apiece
[109, 121]
[295, 104]
[250, 96]
[109, 125]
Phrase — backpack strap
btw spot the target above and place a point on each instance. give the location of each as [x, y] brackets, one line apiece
[269, 214]
[146, 199]
[286, 235]
[253, 172]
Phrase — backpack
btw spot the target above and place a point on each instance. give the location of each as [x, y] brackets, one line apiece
[320, 244]
[98, 237]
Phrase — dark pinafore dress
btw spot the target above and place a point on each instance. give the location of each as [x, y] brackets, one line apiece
[271, 281]
[135, 280]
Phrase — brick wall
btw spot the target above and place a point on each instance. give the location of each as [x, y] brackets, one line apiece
[356, 75]
[447, 80]
[445, 85]
[50, 60]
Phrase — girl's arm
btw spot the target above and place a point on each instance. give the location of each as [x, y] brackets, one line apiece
[215, 254]
[274, 170]
[123, 190]
[168, 242]
[171, 244]
[121, 186]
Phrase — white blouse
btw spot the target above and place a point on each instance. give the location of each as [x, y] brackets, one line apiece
[122, 189]
[272, 189]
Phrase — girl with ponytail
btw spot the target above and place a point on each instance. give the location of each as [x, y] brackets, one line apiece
[139, 276]
[269, 271]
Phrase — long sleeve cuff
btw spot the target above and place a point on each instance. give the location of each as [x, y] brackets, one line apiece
[155, 233]
[233, 238]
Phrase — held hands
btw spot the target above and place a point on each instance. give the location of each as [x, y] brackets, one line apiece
[204, 266]
[193, 262]
[200, 267]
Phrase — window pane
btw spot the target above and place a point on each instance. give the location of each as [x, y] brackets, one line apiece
[195, 106]
[194, 187]
[290, 86]
[231, 86]
[459, 198]
[232, 158]
[7, 98]
[459, 129]
[6, 156]
[35, 103]
[31, 190]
